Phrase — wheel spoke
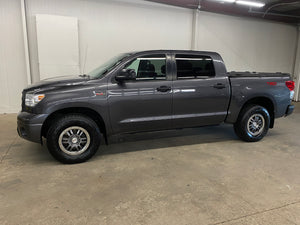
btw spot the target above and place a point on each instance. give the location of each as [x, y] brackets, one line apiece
[255, 124]
[74, 140]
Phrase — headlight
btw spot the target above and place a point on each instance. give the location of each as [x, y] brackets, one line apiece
[32, 99]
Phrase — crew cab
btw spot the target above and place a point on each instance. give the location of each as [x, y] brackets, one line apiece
[149, 91]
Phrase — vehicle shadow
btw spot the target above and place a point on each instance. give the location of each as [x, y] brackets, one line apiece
[169, 138]
[36, 153]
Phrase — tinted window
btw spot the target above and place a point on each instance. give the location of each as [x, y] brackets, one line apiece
[194, 66]
[151, 67]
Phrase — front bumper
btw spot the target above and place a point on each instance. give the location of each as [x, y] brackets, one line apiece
[30, 126]
[289, 110]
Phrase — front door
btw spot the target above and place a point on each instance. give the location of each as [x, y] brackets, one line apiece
[145, 103]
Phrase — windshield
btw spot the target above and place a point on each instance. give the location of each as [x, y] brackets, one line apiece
[104, 68]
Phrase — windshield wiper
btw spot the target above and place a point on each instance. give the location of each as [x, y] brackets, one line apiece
[104, 72]
[84, 75]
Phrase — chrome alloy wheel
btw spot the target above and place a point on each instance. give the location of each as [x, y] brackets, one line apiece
[256, 124]
[74, 140]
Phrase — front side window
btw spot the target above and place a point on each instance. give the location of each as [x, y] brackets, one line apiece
[151, 67]
[194, 66]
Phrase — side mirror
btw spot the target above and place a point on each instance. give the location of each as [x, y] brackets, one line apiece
[126, 74]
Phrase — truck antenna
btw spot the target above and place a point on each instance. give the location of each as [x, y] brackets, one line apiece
[85, 56]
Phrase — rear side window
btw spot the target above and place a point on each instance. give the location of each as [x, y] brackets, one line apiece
[194, 66]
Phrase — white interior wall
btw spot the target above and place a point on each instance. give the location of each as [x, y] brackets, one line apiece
[12, 61]
[297, 68]
[107, 28]
[248, 44]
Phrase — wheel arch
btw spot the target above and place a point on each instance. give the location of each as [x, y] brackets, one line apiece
[264, 102]
[71, 110]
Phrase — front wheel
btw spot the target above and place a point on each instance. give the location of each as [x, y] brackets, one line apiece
[73, 139]
[253, 123]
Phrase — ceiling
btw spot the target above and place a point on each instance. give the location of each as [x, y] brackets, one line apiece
[287, 11]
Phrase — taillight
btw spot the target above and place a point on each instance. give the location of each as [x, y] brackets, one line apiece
[290, 84]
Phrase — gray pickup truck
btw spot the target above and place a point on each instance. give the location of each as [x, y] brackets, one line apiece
[150, 91]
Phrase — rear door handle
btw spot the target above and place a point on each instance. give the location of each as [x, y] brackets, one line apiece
[163, 88]
[219, 86]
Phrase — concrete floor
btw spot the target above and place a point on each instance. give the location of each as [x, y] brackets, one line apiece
[192, 176]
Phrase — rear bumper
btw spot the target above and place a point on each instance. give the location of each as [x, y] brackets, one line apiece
[30, 126]
[289, 110]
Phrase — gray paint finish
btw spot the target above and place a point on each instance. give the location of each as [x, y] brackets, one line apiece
[138, 106]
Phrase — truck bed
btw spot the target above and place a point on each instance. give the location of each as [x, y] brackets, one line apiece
[234, 74]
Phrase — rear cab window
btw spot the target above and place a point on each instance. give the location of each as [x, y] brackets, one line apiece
[194, 66]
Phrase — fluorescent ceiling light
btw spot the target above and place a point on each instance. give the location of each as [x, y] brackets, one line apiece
[230, 1]
[250, 3]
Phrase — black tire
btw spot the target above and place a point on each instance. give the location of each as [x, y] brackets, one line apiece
[57, 132]
[244, 127]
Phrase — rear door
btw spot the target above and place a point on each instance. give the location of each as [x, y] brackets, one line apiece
[144, 104]
[200, 96]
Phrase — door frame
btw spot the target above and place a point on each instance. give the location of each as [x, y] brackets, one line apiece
[169, 64]
[169, 78]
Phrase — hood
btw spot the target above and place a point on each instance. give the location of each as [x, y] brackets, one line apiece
[54, 82]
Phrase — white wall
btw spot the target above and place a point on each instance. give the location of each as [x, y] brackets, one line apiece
[297, 69]
[248, 44]
[108, 27]
[12, 62]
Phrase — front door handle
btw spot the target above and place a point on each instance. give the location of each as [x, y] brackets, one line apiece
[163, 88]
[219, 86]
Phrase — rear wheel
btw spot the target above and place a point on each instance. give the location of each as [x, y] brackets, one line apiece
[73, 139]
[253, 123]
